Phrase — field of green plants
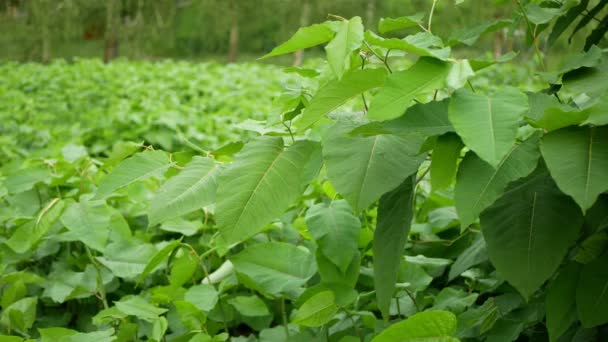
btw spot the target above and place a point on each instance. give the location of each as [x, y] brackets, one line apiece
[392, 192]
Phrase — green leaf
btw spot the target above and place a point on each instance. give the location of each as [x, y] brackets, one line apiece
[336, 92]
[591, 294]
[422, 44]
[479, 184]
[183, 269]
[364, 168]
[317, 310]
[204, 297]
[562, 23]
[262, 182]
[560, 302]
[577, 158]
[470, 35]
[25, 179]
[127, 260]
[193, 188]
[274, 267]
[28, 235]
[157, 259]
[548, 113]
[139, 307]
[598, 112]
[401, 88]
[336, 230]
[20, 314]
[436, 326]
[69, 335]
[331, 274]
[428, 119]
[488, 124]
[251, 306]
[445, 160]
[454, 300]
[520, 231]
[395, 213]
[304, 38]
[136, 168]
[349, 38]
[475, 254]
[87, 222]
[392, 24]
[190, 316]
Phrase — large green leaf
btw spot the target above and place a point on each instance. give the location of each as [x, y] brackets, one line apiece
[435, 326]
[395, 213]
[193, 188]
[20, 315]
[336, 92]
[548, 113]
[349, 38]
[422, 44]
[317, 310]
[479, 184]
[529, 230]
[577, 158]
[304, 38]
[473, 255]
[28, 235]
[136, 168]
[262, 182]
[445, 160]
[364, 168]
[87, 222]
[127, 260]
[274, 268]
[488, 124]
[137, 306]
[158, 258]
[336, 230]
[598, 112]
[560, 303]
[425, 118]
[401, 88]
[592, 294]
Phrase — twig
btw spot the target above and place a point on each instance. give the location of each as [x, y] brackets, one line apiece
[532, 31]
[431, 15]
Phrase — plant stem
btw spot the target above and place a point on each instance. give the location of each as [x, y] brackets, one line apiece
[284, 317]
[431, 16]
[531, 31]
[100, 289]
[379, 57]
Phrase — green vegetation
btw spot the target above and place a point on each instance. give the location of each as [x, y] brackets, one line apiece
[393, 192]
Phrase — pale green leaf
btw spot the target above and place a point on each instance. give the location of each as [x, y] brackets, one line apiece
[470, 35]
[262, 182]
[349, 38]
[87, 222]
[336, 92]
[274, 267]
[436, 326]
[422, 44]
[251, 306]
[136, 168]
[317, 310]
[392, 24]
[401, 88]
[139, 307]
[304, 38]
[158, 258]
[577, 158]
[193, 188]
[488, 124]
[529, 230]
[204, 297]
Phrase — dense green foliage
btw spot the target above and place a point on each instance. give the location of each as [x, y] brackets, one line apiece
[393, 193]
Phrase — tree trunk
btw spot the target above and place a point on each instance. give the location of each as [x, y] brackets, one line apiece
[370, 13]
[233, 49]
[298, 56]
[112, 28]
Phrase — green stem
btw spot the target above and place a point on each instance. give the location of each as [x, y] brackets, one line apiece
[531, 31]
[431, 15]
[100, 288]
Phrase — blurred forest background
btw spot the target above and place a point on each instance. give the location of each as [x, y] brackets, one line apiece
[230, 30]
